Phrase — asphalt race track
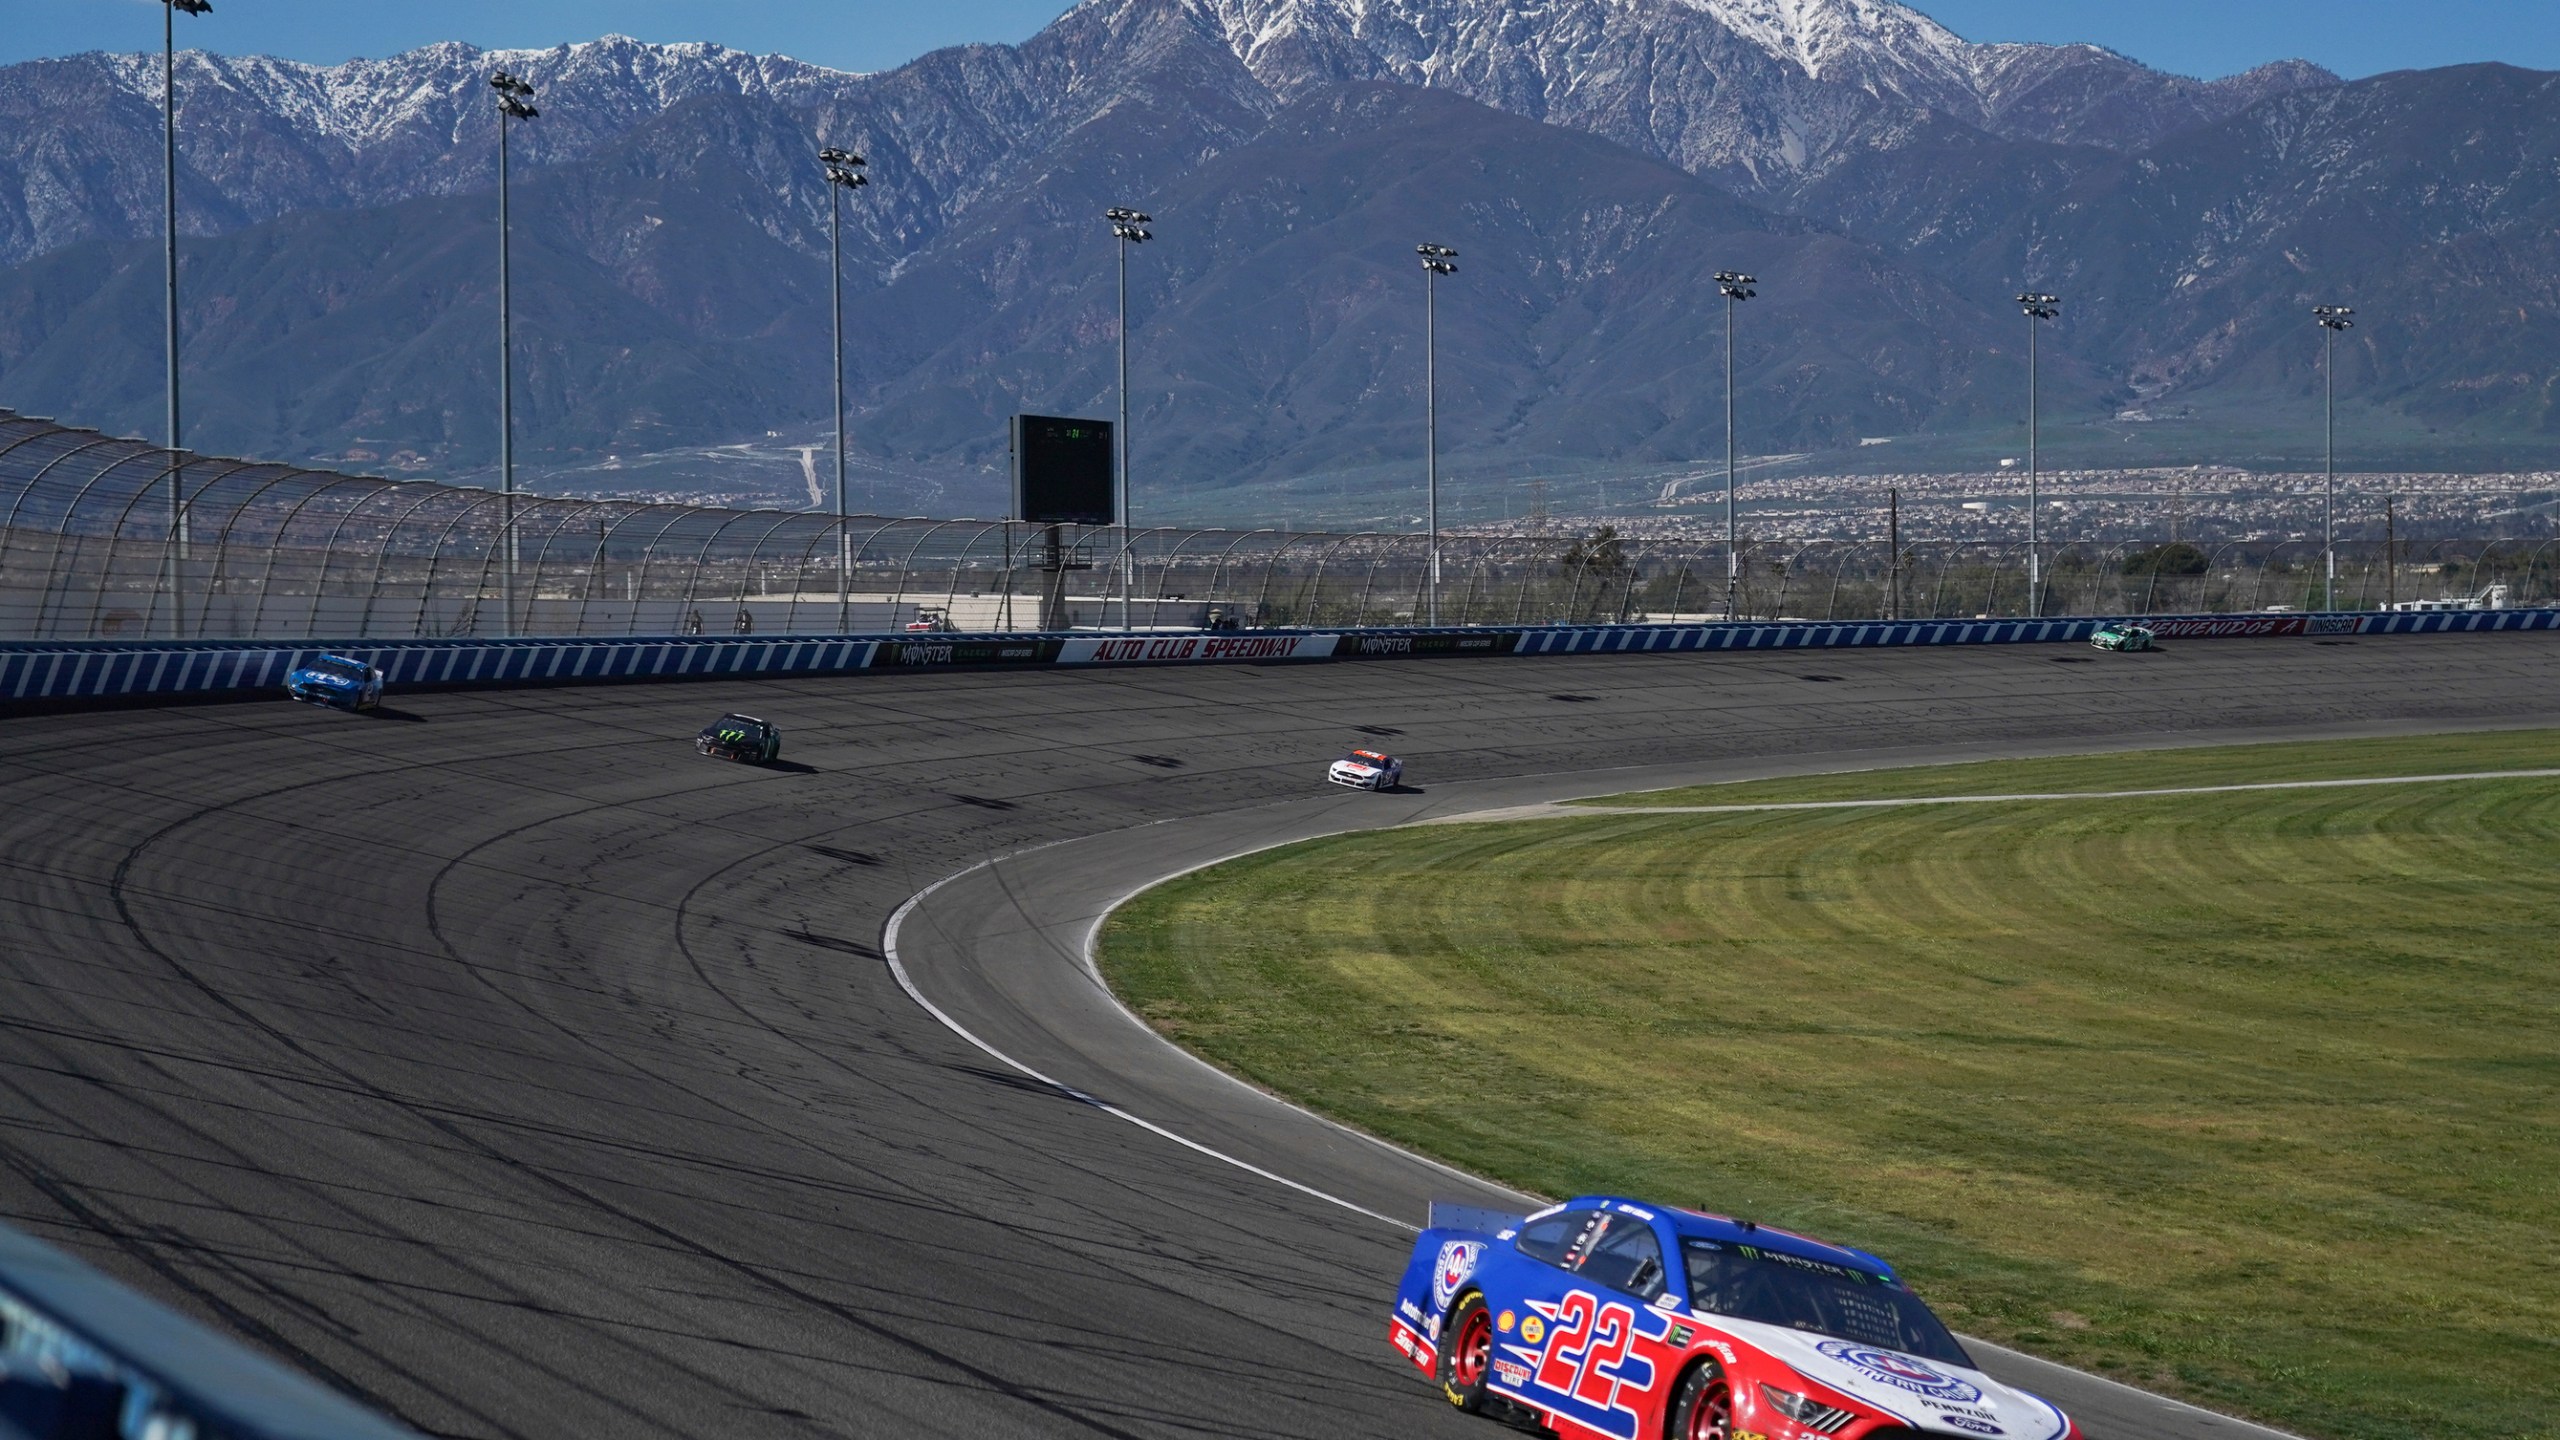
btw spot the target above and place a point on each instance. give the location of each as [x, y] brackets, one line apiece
[506, 1065]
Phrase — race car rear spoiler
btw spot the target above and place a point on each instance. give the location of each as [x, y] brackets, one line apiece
[1447, 1216]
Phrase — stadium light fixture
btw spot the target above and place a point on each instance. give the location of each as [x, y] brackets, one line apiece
[2038, 308]
[515, 102]
[844, 174]
[1735, 287]
[1129, 227]
[2331, 319]
[169, 215]
[1437, 261]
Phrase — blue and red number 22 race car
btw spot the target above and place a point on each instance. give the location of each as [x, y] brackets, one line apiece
[1602, 1317]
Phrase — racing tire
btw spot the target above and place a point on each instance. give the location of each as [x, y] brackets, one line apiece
[1466, 1356]
[1702, 1408]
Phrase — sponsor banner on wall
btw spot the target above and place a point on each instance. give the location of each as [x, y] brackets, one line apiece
[894, 654]
[1196, 649]
[1463, 642]
[2337, 625]
[2227, 627]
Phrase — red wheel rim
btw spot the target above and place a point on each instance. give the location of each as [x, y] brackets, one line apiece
[1710, 1417]
[1473, 1354]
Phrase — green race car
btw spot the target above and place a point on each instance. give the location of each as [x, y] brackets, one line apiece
[740, 737]
[2124, 635]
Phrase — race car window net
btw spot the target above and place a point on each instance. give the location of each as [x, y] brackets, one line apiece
[1776, 1288]
[1627, 1258]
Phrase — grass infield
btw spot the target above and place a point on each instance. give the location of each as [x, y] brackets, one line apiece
[2250, 1097]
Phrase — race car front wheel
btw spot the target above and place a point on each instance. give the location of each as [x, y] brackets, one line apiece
[1466, 1355]
[1703, 1408]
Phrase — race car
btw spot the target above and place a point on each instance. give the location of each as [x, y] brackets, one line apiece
[1603, 1317]
[740, 737]
[1367, 770]
[2124, 635]
[335, 680]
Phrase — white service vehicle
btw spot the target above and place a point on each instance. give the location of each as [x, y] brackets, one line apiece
[2492, 598]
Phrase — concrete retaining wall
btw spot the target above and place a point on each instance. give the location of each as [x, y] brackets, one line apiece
[40, 672]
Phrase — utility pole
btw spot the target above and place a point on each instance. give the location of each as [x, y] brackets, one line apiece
[515, 102]
[1735, 288]
[2038, 308]
[844, 172]
[1893, 601]
[169, 213]
[2332, 319]
[2390, 550]
[1130, 228]
[1437, 260]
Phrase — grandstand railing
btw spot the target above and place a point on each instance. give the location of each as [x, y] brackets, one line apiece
[108, 538]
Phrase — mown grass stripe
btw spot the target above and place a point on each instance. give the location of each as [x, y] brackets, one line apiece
[2244, 1088]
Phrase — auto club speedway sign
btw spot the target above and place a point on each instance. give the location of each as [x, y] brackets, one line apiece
[1196, 649]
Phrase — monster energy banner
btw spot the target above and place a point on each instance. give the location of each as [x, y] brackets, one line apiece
[1459, 642]
[894, 653]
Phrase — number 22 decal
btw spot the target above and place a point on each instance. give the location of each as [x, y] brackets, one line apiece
[1584, 1350]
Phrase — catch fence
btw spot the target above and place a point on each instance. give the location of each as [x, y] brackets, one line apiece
[106, 538]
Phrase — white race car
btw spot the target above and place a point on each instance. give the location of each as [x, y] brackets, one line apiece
[1367, 770]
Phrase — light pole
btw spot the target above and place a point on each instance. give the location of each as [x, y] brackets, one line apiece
[2039, 309]
[177, 487]
[1735, 288]
[1437, 260]
[844, 172]
[515, 102]
[2332, 319]
[1129, 227]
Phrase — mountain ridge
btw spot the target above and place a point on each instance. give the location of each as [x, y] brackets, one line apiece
[672, 260]
[263, 137]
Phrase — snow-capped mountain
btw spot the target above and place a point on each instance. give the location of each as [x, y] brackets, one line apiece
[1763, 94]
[1891, 181]
[265, 137]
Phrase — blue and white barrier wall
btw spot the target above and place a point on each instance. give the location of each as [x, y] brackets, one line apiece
[84, 1358]
[52, 672]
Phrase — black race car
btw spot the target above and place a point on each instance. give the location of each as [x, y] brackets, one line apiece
[740, 737]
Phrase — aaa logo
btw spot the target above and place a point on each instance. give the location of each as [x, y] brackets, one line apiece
[1901, 1371]
[1457, 1262]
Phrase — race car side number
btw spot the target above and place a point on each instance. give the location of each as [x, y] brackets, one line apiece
[1585, 1349]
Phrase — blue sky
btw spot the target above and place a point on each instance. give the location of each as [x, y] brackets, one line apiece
[2194, 37]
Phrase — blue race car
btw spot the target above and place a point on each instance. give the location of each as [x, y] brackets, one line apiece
[1604, 1319]
[336, 680]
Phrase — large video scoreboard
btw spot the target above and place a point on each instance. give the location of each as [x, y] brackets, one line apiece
[1063, 471]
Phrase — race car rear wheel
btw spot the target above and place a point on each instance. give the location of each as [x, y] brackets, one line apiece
[1466, 1355]
[1703, 1408]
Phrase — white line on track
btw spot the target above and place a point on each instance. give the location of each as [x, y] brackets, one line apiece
[897, 968]
[906, 982]
[2153, 1396]
[1555, 808]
